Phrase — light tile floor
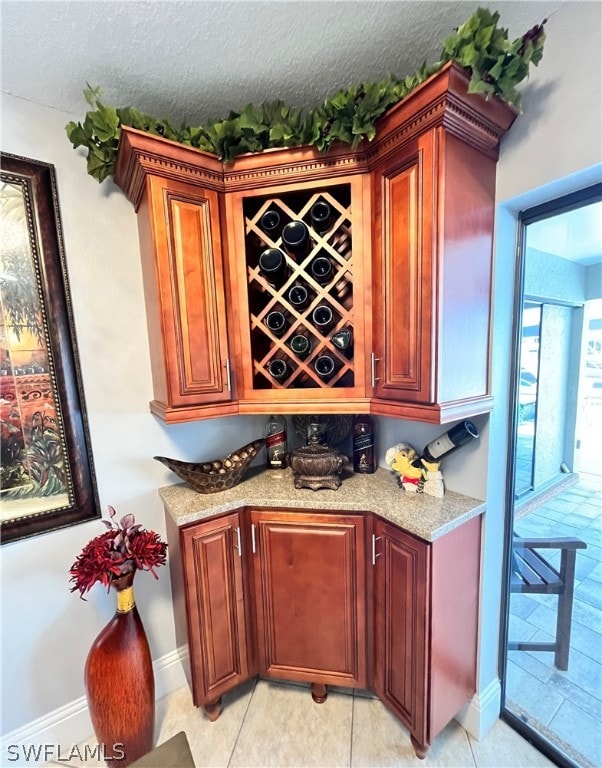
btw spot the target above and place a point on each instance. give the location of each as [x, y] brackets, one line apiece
[567, 706]
[277, 724]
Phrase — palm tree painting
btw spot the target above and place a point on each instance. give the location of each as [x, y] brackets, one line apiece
[32, 461]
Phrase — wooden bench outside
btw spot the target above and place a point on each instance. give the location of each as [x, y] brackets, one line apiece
[533, 574]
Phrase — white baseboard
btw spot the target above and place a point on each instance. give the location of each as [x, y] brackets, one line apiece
[39, 741]
[481, 712]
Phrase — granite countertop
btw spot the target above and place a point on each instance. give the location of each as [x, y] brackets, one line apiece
[419, 514]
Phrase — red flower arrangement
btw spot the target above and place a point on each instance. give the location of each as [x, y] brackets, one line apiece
[123, 548]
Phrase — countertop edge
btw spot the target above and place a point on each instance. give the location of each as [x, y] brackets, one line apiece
[425, 517]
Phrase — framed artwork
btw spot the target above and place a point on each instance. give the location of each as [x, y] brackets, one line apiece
[46, 473]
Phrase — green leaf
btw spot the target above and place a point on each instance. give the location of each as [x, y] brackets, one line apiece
[76, 134]
[91, 95]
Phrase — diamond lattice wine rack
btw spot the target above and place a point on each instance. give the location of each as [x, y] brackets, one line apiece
[300, 282]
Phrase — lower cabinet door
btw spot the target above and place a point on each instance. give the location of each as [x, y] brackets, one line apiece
[309, 572]
[213, 570]
[401, 643]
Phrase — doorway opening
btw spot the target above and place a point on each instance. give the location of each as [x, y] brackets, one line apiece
[552, 645]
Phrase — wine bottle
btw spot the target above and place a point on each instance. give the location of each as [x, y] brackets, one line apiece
[270, 223]
[322, 318]
[321, 269]
[459, 435]
[295, 238]
[342, 339]
[272, 263]
[320, 214]
[298, 296]
[300, 345]
[276, 442]
[276, 322]
[363, 445]
[324, 366]
[279, 369]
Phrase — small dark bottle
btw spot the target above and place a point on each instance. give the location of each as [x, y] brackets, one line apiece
[324, 366]
[298, 297]
[321, 269]
[363, 445]
[322, 318]
[459, 435]
[279, 369]
[320, 215]
[276, 442]
[272, 264]
[301, 346]
[276, 322]
[270, 223]
[343, 339]
[295, 238]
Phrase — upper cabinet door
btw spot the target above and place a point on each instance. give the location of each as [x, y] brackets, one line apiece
[185, 297]
[403, 193]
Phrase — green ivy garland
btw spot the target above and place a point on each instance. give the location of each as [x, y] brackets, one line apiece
[495, 64]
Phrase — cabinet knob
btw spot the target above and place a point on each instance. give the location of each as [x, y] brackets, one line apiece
[228, 377]
[237, 542]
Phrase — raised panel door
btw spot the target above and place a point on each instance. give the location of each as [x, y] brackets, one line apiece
[401, 589]
[403, 274]
[184, 286]
[213, 570]
[310, 597]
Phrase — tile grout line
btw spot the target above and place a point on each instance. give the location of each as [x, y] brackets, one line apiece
[242, 722]
[474, 758]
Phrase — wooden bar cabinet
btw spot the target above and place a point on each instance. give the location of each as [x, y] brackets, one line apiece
[409, 244]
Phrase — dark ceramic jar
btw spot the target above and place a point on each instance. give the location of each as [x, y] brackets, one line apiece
[317, 466]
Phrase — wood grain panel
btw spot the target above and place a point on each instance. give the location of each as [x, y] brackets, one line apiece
[195, 277]
[454, 621]
[189, 281]
[214, 579]
[311, 598]
[404, 192]
[401, 628]
[467, 213]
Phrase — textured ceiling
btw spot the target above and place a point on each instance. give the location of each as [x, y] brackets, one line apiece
[197, 60]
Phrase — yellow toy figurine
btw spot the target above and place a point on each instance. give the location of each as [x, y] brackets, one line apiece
[404, 462]
[415, 474]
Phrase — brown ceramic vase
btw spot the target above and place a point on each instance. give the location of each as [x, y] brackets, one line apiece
[119, 681]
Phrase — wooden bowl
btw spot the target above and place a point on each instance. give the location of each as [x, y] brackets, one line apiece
[216, 475]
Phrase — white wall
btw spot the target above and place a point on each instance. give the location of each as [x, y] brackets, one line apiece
[46, 631]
